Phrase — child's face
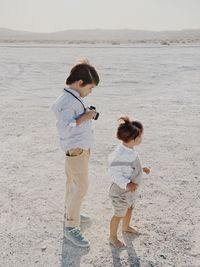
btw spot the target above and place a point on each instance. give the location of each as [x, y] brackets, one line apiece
[137, 140]
[86, 89]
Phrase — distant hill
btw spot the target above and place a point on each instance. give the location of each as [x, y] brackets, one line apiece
[102, 36]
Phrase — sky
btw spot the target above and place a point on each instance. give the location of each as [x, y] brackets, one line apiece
[58, 15]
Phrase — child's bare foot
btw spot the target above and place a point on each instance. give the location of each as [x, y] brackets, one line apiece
[116, 243]
[131, 230]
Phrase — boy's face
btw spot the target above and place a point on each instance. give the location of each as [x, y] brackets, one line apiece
[86, 89]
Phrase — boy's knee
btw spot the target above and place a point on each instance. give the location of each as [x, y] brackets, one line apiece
[82, 189]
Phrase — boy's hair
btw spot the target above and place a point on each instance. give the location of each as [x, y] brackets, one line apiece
[128, 130]
[84, 72]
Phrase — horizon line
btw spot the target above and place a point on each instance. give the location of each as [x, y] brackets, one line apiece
[99, 29]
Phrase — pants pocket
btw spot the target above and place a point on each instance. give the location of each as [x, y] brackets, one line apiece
[74, 152]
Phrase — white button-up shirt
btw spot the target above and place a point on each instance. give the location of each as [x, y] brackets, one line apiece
[124, 166]
[67, 109]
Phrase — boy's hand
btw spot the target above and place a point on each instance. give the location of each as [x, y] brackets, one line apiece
[131, 187]
[88, 115]
[146, 170]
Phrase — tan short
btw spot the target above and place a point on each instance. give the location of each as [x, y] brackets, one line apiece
[121, 200]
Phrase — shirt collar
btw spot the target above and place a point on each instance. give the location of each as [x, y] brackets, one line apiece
[127, 148]
[73, 92]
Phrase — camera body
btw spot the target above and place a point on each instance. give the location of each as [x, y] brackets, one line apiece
[97, 113]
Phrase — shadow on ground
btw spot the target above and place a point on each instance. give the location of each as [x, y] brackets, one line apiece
[134, 260]
[71, 254]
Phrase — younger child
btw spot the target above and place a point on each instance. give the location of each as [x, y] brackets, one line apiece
[126, 172]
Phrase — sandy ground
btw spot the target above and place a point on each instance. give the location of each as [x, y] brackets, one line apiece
[32, 184]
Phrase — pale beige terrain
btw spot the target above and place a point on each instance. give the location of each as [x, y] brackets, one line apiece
[32, 183]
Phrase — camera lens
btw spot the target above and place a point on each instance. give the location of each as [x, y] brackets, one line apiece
[96, 116]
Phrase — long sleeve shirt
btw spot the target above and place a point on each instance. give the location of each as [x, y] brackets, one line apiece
[124, 166]
[67, 109]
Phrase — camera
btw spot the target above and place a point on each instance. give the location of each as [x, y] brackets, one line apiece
[97, 113]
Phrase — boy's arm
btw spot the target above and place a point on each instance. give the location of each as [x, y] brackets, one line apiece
[66, 117]
[88, 115]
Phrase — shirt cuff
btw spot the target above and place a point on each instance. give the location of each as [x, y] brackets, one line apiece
[72, 123]
[123, 185]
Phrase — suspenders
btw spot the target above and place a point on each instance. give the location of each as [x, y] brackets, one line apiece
[76, 98]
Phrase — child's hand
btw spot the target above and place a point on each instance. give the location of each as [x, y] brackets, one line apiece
[131, 187]
[146, 170]
[88, 115]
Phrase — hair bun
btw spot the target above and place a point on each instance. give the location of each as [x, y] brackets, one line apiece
[83, 61]
[124, 120]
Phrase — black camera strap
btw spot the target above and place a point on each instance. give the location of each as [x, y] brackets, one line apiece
[76, 98]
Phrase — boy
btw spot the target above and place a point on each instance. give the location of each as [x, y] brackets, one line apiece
[76, 139]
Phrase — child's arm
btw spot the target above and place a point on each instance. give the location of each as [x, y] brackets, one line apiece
[146, 170]
[88, 115]
[121, 170]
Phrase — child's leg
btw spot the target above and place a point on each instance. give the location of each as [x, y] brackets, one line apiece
[126, 223]
[76, 168]
[114, 224]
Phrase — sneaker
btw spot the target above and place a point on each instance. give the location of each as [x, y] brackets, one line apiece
[75, 236]
[84, 219]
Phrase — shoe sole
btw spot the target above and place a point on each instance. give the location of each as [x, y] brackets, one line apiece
[77, 244]
[86, 221]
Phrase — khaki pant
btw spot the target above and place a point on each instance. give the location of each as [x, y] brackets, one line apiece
[76, 170]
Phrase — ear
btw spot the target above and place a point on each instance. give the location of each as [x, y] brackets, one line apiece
[80, 83]
[137, 139]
